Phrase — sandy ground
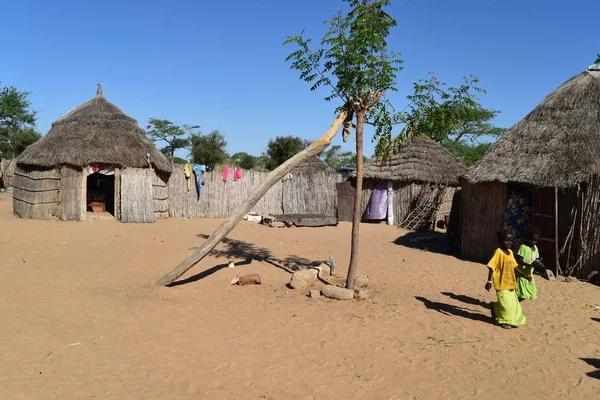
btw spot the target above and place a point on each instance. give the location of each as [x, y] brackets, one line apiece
[80, 320]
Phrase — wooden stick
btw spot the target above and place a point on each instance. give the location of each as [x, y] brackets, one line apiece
[273, 177]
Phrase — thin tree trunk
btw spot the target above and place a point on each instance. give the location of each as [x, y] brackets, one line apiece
[227, 226]
[360, 123]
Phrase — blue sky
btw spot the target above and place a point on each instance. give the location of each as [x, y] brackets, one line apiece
[220, 64]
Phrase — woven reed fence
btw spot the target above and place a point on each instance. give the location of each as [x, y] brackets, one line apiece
[588, 237]
[36, 193]
[137, 200]
[160, 195]
[7, 171]
[478, 233]
[307, 192]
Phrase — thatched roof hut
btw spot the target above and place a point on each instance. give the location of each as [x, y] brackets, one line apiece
[424, 172]
[312, 164]
[552, 158]
[422, 160]
[94, 157]
[96, 132]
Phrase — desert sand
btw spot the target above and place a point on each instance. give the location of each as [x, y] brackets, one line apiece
[81, 320]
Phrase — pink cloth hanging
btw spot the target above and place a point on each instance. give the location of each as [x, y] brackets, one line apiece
[225, 174]
[237, 174]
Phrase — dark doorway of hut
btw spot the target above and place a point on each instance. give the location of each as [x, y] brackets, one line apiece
[100, 196]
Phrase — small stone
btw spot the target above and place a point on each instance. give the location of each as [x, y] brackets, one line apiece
[250, 279]
[314, 293]
[362, 294]
[303, 279]
[361, 281]
[549, 275]
[337, 293]
[277, 224]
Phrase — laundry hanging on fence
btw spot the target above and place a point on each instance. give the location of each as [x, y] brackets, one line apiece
[237, 174]
[199, 178]
[101, 169]
[225, 174]
[187, 171]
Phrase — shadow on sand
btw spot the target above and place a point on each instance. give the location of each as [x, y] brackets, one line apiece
[233, 249]
[435, 242]
[467, 299]
[449, 309]
[594, 362]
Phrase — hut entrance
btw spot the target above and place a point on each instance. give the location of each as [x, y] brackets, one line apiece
[345, 201]
[100, 195]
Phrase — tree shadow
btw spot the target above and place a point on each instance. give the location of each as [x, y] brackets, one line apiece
[235, 249]
[435, 242]
[594, 362]
[467, 299]
[448, 309]
[206, 273]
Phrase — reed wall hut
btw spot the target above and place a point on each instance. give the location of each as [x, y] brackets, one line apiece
[422, 177]
[545, 172]
[94, 158]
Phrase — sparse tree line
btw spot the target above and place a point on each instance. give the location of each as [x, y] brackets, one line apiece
[451, 116]
[211, 148]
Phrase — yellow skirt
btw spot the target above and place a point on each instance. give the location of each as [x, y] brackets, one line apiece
[508, 309]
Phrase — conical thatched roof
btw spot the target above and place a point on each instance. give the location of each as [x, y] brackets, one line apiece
[557, 144]
[421, 160]
[96, 132]
[314, 163]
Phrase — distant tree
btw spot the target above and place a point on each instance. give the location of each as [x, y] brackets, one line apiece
[282, 148]
[17, 121]
[175, 136]
[336, 158]
[179, 160]
[243, 160]
[469, 153]
[209, 149]
[452, 117]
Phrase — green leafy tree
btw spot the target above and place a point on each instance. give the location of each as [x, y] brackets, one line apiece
[179, 160]
[175, 136]
[336, 158]
[354, 62]
[17, 121]
[209, 149]
[453, 117]
[282, 148]
[243, 160]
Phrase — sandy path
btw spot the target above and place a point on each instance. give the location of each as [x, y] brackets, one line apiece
[81, 320]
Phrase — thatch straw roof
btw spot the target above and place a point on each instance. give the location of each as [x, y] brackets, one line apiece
[555, 145]
[314, 163]
[421, 160]
[96, 132]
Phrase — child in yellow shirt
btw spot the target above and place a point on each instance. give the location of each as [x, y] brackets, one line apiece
[507, 311]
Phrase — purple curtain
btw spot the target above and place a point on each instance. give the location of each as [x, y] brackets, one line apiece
[377, 208]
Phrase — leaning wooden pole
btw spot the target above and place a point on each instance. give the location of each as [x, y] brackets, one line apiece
[227, 226]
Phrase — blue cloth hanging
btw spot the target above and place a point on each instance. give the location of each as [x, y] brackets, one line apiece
[198, 171]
